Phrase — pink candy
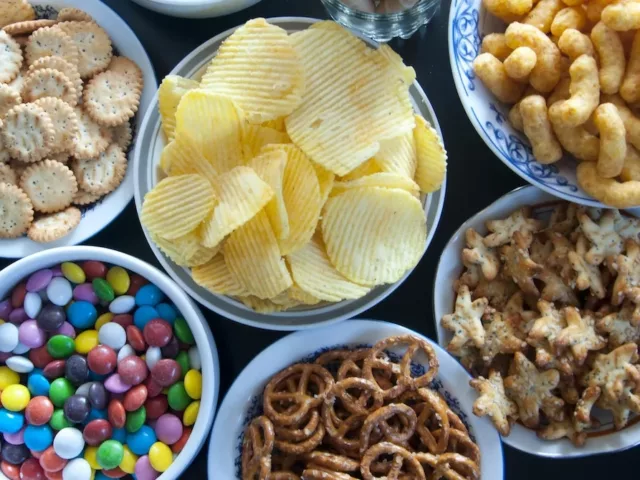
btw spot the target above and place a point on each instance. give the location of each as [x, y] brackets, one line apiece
[39, 280]
[115, 384]
[31, 335]
[144, 470]
[66, 329]
[85, 292]
[168, 428]
[15, 438]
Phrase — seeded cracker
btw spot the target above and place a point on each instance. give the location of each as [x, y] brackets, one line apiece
[128, 68]
[111, 98]
[92, 139]
[12, 11]
[49, 228]
[16, 211]
[85, 198]
[65, 122]
[122, 136]
[92, 42]
[28, 133]
[50, 185]
[101, 175]
[10, 58]
[9, 98]
[7, 175]
[49, 83]
[51, 42]
[61, 65]
[28, 27]
[18, 82]
[73, 15]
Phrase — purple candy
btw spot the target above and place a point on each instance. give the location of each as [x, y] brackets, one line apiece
[31, 335]
[115, 384]
[5, 309]
[85, 292]
[168, 428]
[15, 438]
[4, 356]
[18, 316]
[144, 470]
[66, 329]
[56, 271]
[39, 280]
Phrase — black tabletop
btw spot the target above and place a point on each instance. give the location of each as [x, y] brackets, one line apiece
[475, 179]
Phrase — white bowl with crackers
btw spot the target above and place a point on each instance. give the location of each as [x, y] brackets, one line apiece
[546, 307]
[196, 8]
[74, 87]
[232, 214]
[576, 71]
[338, 360]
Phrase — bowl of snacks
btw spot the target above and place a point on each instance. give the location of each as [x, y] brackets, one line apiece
[350, 384]
[106, 365]
[537, 297]
[196, 8]
[245, 219]
[553, 91]
[65, 177]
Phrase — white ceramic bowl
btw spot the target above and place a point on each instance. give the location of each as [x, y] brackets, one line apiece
[10, 276]
[147, 174]
[196, 8]
[449, 269]
[469, 21]
[243, 402]
[97, 216]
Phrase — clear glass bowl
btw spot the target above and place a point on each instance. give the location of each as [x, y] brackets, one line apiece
[382, 27]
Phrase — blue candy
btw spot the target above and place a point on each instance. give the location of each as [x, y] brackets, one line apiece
[119, 434]
[143, 315]
[11, 422]
[167, 312]
[140, 442]
[38, 384]
[100, 476]
[95, 377]
[82, 314]
[149, 295]
[95, 414]
[38, 438]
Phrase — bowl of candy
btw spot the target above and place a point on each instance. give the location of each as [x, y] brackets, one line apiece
[107, 368]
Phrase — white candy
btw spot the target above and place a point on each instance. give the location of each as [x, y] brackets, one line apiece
[78, 469]
[68, 443]
[8, 337]
[112, 335]
[153, 356]
[125, 352]
[21, 348]
[32, 304]
[19, 364]
[59, 291]
[84, 389]
[122, 304]
[194, 358]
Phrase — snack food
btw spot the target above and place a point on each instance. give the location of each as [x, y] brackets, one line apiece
[353, 415]
[87, 392]
[567, 330]
[279, 210]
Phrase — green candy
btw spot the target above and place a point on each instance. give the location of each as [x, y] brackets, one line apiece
[110, 454]
[183, 361]
[58, 420]
[102, 288]
[136, 419]
[60, 390]
[182, 331]
[61, 346]
[178, 397]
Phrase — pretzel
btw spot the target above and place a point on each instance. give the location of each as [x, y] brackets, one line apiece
[433, 410]
[379, 419]
[332, 461]
[453, 466]
[257, 446]
[295, 434]
[305, 445]
[318, 473]
[401, 458]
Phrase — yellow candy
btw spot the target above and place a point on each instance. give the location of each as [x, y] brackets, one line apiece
[102, 319]
[1, 321]
[86, 341]
[190, 414]
[8, 377]
[15, 397]
[128, 463]
[91, 456]
[73, 272]
[119, 279]
[160, 456]
[193, 384]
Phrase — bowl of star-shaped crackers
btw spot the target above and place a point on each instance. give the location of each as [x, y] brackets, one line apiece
[74, 82]
[539, 299]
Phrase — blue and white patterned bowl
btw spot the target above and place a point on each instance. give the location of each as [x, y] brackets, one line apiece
[243, 402]
[469, 21]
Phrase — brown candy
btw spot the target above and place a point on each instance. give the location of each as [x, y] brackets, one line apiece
[31, 470]
[132, 370]
[166, 372]
[135, 338]
[136, 283]
[54, 369]
[156, 406]
[11, 471]
[114, 473]
[18, 294]
[182, 441]
[94, 269]
[97, 431]
[102, 359]
[153, 388]
[124, 320]
[40, 356]
[135, 398]
[51, 462]
[157, 332]
[116, 413]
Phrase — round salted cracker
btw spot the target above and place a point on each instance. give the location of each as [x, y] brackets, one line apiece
[122, 136]
[9, 98]
[16, 211]
[85, 198]
[48, 228]
[65, 122]
[7, 175]
[49, 83]
[127, 67]
[92, 139]
[60, 64]
[70, 14]
[101, 175]
[50, 185]
[111, 98]
[93, 44]
[28, 132]
[18, 82]
[12, 11]
[28, 26]
[10, 58]
[51, 42]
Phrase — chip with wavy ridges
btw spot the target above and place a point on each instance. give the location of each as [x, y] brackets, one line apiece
[180, 157]
[398, 155]
[260, 70]
[216, 277]
[253, 257]
[296, 293]
[432, 157]
[374, 235]
[260, 305]
[326, 181]
[383, 179]
[186, 251]
[171, 91]
[354, 98]
[258, 136]
[367, 168]
[270, 167]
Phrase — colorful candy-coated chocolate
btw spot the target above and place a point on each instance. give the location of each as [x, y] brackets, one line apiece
[38, 384]
[68, 443]
[167, 312]
[40, 356]
[15, 454]
[39, 280]
[115, 384]
[171, 349]
[119, 434]
[61, 346]
[153, 356]
[77, 469]
[39, 411]
[91, 456]
[94, 269]
[182, 331]
[10, 422]
[15, 438]
[132, 370]
[51, 317]
[38, 437]
[8, 377]
[149, 295]
[97, 431]
[5, 308]
[183, 361]
[113, 473]
[129, 459]
[123, 304]
[76, 369]
[73, 272]
[160, 456]
[135, 398]
[123, 319]
[140, 442]
[60, 390]
[19, 364]
[177, 397]
[84, 293]
[110, 454]
[18, 315]
[166, 372]
[193, 384]
[156, 406]
[144, 470]
[168, 428]
[50, 461]
[102, 359]
[32, 304]
[117, 413]
[119, 280]
[144, 314]
[59, 292]
[137, 281]
[135, 420]
[157, 332]
[15, 397]
[82, 314]
[98, 396]
[58, 420]
[184, 438]
[86, 341]
[8, 337]
[112, 335]
[31, 470]
[103, 289]
[125, 352]
[102, 319]
[54, 369]
[30, 334]
[76, 408]
[153, 388]
[18, 294]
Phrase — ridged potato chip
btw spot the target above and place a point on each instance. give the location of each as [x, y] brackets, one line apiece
[296, 293]
[286, 300]
[367, 168]
[260, 305]
[398, 155]
[171, 91]
[214, 126]
[354, 98]
[185, 251]
[432, 157]
[383, 179]
[277, 124]
[313, 272]
[407, 74]
[177, 205]
[216, 277]
[374, 235]
[180, 157]
[258, 136]
[258, 68]
[270, 167]
[241, 194]
[253, 257]
[326, 180]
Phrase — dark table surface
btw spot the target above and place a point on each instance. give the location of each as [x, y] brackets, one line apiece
[475, 179]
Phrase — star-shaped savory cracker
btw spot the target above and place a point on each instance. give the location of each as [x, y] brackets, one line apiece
[547, 327]
[609, 371]
[606, 243]
[555, 289]
[620, 326]
[515, 306]
[519, 266]
[627, 227]
[622, 405]
[479, 254]
[497, 291]
[518, 221]
[563, 218]
[627, 282]
[465, 322]
[493, 402]
[539, 251]
[562, 429]
[470, 277]
[587, 276]
[582, 418]
[579, 335]
[568, 389]
[558, 259]
[500, 335]
[532, 391]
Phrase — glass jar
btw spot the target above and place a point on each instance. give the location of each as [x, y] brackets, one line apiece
[382, 27]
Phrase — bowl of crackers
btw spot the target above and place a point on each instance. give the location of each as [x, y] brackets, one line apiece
[254, 194]
[539, 300]
[553, 88]
[74, 84]
[366, 400]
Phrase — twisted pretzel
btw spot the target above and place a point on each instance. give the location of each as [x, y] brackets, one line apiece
[304, 446]
[315, 472]
[401, 458]
[333, 462]
[434, 410]
[257, 446]
[294, 434]
[380, 418]
[283, 476]
[453, 466]
[358, 406]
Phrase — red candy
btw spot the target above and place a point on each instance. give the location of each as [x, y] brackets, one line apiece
[136, 339]
[156, 406]
[132, 370]
[116, 413]
[135, 398]
[11, 471]
[53, 475]
[17, 296]
[36, 454]
[97, 431]
[51, 462]
[102, 359]
[40, 357]
[166, 372]
[124, 320]
[135, 283]
[179, 445]
[157, 332]
[153, 388]
[94, 269]
[31, 470]
[54, 369]
[114, 473]
[39, 410]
